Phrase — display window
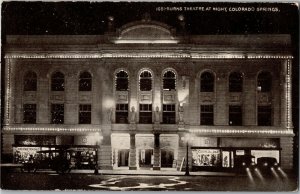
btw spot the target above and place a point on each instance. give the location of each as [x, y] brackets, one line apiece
[206, 157]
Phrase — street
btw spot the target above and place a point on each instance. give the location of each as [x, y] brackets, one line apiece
[80, 181]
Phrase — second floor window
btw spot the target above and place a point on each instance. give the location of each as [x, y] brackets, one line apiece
[30, 81]
[85, 81]
[169, 114]
[57, 113]
[29, 113]
[146, 113]
[207, 115]
[58, 82]
[145, 81]
[235, 115]
[207, 82]
[85, 114]
[121, 81]
[235, 82]
[169, 81]
[264, 82]
[122, 113]
[264, 116]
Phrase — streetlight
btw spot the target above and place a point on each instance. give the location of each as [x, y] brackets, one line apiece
[187, 138]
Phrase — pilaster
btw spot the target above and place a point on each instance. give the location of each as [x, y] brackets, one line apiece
[156, 152]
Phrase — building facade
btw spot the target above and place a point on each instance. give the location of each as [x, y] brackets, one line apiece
[136, 96]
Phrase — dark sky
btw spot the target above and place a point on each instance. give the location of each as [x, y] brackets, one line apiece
[91, 18]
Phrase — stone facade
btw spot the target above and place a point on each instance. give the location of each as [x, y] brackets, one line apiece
[132, 50]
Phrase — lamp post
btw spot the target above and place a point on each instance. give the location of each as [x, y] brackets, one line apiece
[187, 138]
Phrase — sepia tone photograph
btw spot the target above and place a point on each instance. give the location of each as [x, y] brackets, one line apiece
[149, 96]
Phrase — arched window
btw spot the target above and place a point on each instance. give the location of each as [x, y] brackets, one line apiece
[235, 82]
[169, 81]
[207, 82]
[30, 81]
[264, 82]
[85, 81]
[122, 81]
[145, 81]
[57, 82]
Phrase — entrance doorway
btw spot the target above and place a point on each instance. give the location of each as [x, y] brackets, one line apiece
[145, 157]
[167, 158]
[123, 156]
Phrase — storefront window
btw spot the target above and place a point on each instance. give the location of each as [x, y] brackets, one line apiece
[206, 157]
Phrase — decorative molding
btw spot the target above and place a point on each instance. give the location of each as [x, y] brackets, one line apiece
[244, 132]
[7, 128]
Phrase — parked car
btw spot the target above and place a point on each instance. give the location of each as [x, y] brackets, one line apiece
[241, 162]
[265, 164]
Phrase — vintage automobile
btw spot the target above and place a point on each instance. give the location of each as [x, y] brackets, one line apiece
[58, 160]
[241, 162]
[265, 164]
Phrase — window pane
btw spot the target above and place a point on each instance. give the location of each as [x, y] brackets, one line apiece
[235, 82]
[85, 114]
[207, 115]
[57, 82]
[207, 82]
[264, 116]
[122, 81]
[235, 115]
[29, 116]
[169, 81]
[122, 113]
[145, 81]
[57, 113]
[169, 114]
[30, 81]
[85, 82]
[264, 82]
[145, 113]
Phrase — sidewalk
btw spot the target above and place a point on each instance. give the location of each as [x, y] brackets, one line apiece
[162, 172]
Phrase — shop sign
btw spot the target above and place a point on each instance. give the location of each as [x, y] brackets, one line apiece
[249, 142]
[205, 142]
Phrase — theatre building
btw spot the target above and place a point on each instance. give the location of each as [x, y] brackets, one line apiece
[137, 95]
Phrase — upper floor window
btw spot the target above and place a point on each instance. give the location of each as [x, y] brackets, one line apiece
[30, 81]
[145, 81]
[169, 81]
[235, 115]
[121, 81]
[121, 113]
[207, 82]
[58, 82]
[169, 114]
[264, 116]
[84, 114]
[207, 115]
[29, 113]
[146, 113]
[85, 81]
[235, 82]
[57, 113]
[264, 82]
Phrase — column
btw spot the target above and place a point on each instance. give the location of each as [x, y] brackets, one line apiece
[156, 152]
[132, 153]
[286, 97]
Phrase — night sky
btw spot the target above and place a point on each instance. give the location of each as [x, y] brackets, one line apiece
[91, 18]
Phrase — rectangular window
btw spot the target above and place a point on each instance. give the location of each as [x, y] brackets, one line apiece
[264, 116]
[235, 116]
[207, 115]
[169, 114]
[122, 113]
[29, 116]
[85, 114]
[57, 113]
[146, 113]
